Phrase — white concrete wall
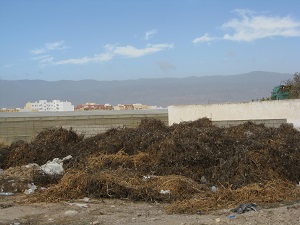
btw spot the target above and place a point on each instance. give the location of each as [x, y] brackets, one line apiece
[277, 109]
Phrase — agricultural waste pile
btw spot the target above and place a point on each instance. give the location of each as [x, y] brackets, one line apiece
[178, 164]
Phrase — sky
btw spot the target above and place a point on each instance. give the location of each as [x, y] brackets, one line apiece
[132, 39]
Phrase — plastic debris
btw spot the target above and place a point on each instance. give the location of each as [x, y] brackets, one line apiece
[6, 193]
[248, 133]
[81, 205]
[86, 199]
[31, 189]
[218, 220]
[199, 212]
[231, 216]
[71, 212]
[164, 192]
[213, 188]
[146, 177]
[203, 180]
[245, 208]
[55, 166]
[31, 165]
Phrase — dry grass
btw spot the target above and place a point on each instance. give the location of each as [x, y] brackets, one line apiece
[153, 162]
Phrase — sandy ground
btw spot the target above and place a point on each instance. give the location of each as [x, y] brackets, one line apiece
[108, 211]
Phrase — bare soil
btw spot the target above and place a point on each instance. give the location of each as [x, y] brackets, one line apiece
[13, 210]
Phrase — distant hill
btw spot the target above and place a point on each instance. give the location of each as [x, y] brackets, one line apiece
[159, 91]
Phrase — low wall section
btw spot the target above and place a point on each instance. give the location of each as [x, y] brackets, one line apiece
[24, 126]
[266, 111]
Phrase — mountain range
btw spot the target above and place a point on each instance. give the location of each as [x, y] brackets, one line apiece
[155, 91]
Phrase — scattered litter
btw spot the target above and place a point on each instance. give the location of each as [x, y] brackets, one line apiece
[231, 216]
[146, 177]
[67, 158]
[199, 212]
[213, 189]
[245, 208]
[6, 193]
[31, 189]
[203, 180]
[86, 199]
[71, 212]
[31, 165]
[164, 192]
[248, 133]
[218, 220]
[55, 166]
[81, 205]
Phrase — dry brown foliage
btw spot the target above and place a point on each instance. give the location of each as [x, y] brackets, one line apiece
[154, 162]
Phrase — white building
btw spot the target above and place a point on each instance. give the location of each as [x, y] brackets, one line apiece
[52, 106]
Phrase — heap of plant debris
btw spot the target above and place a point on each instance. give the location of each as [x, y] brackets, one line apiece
[177, 164]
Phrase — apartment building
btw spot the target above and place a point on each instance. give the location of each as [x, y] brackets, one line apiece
[51, 106]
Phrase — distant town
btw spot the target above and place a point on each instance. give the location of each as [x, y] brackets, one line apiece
[65, 106]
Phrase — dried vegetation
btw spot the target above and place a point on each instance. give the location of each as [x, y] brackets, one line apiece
[177, 164]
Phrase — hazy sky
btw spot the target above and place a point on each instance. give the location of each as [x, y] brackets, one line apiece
[131, 39]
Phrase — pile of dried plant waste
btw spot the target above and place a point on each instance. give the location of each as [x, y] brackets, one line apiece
[177, 164]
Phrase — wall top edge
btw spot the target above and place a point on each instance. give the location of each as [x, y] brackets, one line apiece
[239, 103]
[82, 113]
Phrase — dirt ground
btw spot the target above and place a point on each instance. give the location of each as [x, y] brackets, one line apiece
[13, 210]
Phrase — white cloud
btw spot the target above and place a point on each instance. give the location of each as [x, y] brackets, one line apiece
[149, 34]
[55, 45]
[38, 51]
[103, 57]
[115, 50]
[131, 51]
[44, 59]
[41, 57]
[58, 45]
[250, 26]
[97, 58]
[83, 60]
[204, 38]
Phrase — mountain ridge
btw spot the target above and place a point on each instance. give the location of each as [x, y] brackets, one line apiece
[151, 91]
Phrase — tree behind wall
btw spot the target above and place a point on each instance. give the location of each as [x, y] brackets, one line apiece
[294, 91]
